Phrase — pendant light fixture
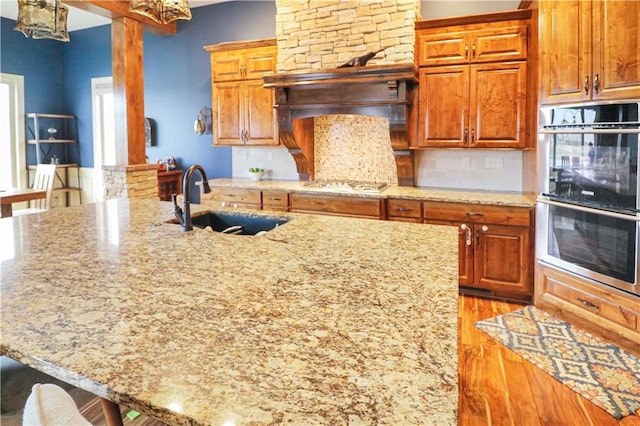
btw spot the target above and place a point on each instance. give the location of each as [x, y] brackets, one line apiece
[42, 19]
[162, 11]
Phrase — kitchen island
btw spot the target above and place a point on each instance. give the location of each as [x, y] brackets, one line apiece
[323, 320]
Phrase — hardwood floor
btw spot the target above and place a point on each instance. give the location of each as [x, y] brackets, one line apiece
[497, 387]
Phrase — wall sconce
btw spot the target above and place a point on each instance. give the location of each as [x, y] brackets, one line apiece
[162, 11]
[42, 19]
[203, 124]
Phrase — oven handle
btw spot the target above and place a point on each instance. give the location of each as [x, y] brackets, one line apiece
[633, 218]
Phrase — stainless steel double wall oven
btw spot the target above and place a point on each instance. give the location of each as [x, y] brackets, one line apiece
[588, 211]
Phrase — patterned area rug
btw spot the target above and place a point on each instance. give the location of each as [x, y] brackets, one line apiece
[599, 371]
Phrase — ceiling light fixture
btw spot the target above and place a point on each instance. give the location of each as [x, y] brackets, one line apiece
[162, 11]
[42, 19]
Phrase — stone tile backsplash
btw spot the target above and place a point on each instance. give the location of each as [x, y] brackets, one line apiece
[354, 147]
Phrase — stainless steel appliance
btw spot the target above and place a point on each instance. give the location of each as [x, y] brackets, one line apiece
[588, 211]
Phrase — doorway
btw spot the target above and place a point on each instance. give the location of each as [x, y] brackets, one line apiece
[104, 146]
[12, 144]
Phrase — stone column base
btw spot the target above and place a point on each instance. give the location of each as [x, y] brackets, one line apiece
[131, 181]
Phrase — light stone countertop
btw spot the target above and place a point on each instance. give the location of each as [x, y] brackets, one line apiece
[499, 198]
[322, 321]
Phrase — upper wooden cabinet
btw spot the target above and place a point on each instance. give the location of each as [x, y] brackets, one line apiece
[480, 106]
[497, 42]
[243, 62]
[473, 82]
[242, 108]
[589, 50]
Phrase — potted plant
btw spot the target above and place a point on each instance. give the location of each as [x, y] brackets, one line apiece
[256, 173]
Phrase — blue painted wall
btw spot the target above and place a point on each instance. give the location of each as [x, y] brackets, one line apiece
[176, 76]
[41, 62]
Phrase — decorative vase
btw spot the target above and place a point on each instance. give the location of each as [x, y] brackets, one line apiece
[255, 176]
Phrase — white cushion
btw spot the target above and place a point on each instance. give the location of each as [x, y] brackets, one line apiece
[50, 405]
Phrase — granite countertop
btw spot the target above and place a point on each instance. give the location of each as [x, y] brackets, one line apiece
[499, 198]
[324, 320]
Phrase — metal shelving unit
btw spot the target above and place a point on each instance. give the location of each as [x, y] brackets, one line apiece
[55, 140]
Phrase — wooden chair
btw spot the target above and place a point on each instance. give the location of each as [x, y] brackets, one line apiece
[44, 179]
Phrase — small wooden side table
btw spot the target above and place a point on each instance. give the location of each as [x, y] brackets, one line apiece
[169, 182]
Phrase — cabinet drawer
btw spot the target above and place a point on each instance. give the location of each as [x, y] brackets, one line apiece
[234, 195]
[398, 208]
[589, 299]
[275, 200]
[338, 205]
[478, 213]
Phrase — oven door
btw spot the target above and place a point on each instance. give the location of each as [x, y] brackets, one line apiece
[597, 244]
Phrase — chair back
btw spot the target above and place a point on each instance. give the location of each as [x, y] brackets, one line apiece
[44, 179]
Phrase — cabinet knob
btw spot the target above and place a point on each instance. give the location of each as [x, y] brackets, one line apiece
[468, 237]
[485, 228]
[586, 84]
[596, 83]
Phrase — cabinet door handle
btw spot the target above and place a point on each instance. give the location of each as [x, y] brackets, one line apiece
[466, 50]
[471, 214]
[473, 135]
[586, 84]
[465, 135]
[403, 209]
[473, 51]
[596, 83]
[274, 199]
[229, 195]
[588, 303]
[464, 227]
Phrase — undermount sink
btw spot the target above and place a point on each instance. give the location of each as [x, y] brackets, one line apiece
[235, 223]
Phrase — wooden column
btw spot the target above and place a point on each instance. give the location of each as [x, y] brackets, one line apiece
[128, 90]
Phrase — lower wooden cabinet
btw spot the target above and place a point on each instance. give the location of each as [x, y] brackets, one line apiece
[232, 197]
[275, 200]
[588, 304]
[366, 207]
[403, 210]
[496, 251]
[169, 182]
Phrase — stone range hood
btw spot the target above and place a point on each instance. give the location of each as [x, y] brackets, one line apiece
[382, 90]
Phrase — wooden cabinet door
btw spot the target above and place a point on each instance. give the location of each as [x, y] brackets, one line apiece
[227, 113]
[444, 106]
[565, 50]
[616, 50]
[499, 42]
[258, 62]
[260, 125]
[227, 66]
[502, 259]
[498, 105]
[436, 47]
[465, 254]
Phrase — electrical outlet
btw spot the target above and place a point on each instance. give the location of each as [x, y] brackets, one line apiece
[270, 156]
[494, 163]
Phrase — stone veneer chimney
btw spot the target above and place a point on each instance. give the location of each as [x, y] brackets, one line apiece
[323, 34]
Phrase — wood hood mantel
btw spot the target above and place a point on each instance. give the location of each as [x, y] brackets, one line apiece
[382, 91]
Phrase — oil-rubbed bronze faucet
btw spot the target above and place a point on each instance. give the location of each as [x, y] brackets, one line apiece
[184, 214]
